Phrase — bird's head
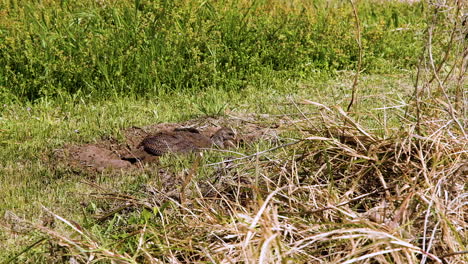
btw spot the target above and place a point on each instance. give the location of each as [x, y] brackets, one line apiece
[224, 137]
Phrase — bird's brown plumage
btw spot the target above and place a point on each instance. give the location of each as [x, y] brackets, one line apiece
[181, 140]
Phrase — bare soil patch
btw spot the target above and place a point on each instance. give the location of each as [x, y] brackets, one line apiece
[107, 153]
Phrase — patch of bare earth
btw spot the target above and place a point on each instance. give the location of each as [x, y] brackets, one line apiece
[107, 154]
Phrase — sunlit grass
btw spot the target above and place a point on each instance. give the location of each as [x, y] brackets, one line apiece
[96, 49]
[74, 73]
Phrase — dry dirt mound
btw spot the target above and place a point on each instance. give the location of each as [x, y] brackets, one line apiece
[107, 154]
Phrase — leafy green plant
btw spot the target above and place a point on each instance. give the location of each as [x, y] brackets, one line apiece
[141, 48]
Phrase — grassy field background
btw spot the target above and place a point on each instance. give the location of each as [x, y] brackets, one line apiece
[95, 49]
[74, 72]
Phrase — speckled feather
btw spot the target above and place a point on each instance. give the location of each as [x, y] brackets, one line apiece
[184, 140]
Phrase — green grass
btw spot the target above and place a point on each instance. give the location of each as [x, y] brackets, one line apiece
[77, 72]
[144, 48]
[31, 132]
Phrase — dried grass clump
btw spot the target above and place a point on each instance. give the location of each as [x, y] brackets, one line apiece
[348, 195]
[340, 195]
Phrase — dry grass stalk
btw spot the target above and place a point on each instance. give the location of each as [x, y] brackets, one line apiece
[323, 199]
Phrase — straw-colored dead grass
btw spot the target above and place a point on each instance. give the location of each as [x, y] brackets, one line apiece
[341, 194]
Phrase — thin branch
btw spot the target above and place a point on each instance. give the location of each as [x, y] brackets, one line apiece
[358, 70]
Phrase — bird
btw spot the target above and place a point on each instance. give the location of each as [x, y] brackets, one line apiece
[224, 137]
[180, 140]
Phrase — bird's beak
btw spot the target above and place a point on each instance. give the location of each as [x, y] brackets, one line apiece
[229, 143]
